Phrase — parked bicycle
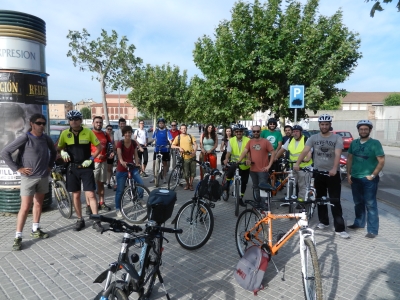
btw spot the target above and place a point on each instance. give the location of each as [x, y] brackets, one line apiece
[64, 199]
[141, 279]
[255, 228]
[134, 198]
[195, 217]
[175, 178]
[343, 167]
[159, 168]
[237, 185]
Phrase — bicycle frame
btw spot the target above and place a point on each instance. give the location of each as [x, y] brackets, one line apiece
[237, 180]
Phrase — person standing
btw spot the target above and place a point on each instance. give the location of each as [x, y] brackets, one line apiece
[187, 143]
[208, 144]
[35, 160]
[259, 150]
[100, 162]
[118, 133]
[127, 153]
[110, 161]
[141, 137]
[288, 133]
[161, 136]
[365, 161]
[294, 146]
[224, 143]
[174, 133]
[77, 142]
[327, 150]
[274, 136]
[234, 149]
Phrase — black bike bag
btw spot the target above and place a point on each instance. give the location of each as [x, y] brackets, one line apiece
[160, 205]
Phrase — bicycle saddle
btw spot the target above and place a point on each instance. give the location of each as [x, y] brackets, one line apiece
[266, 187]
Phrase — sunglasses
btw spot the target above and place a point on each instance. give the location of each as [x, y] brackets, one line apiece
[74, 119]
[256, 131]
[173, 125]
[40, 123]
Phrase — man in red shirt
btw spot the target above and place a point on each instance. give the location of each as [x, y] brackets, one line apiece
[100, 162]
[259, 149]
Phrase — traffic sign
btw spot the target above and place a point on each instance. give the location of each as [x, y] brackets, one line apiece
[296, 96]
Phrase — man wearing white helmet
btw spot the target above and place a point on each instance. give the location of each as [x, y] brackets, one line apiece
[364, 163]
[327, 150]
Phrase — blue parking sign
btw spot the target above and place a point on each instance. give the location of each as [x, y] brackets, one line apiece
[296, 96]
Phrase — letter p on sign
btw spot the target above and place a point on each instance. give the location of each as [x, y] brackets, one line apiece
[296, 96]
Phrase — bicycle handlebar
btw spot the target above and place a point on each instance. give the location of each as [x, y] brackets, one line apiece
[169, 230]
[321, 201]
[132, 166]
[117, 225]
[314, 171]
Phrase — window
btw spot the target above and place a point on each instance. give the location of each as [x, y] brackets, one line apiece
[346, 106]
[363, 106]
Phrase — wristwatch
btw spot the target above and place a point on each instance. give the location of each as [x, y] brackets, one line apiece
[372, 175]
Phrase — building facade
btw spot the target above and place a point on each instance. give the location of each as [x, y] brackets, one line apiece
[58, 109]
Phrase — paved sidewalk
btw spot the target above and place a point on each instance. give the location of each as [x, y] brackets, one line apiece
[65, 265]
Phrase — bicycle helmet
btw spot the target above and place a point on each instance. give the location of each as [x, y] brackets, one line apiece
[72, 114]
[297, 127]
[161, 120]
[325, 118]
[238, 127]
[272, 121]
[365, 122]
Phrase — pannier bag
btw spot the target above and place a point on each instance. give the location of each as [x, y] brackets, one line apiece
[212, 192]
[251, 268]
[160, 205]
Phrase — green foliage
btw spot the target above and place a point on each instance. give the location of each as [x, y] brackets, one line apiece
[377, 6]
[85, 111]
[392, 100]
[332, 104]
[261, 51]
[111, 59]
[159, 91]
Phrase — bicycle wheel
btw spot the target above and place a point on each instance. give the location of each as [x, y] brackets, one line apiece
[343, 172]
[133, 208]
[64, 200]
[196, 220]
[312, 282]
[237, 193]
[244, 223]
[116, 294]
[157, 174]
[150, 268]
[225, 192]
[174, 178]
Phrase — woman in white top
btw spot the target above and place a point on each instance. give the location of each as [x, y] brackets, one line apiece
[208, 144]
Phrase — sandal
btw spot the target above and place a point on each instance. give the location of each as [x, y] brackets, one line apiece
[186, 187]
[191, 188]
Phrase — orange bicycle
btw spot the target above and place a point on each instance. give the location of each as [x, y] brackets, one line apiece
[254, 227]
[280, 176]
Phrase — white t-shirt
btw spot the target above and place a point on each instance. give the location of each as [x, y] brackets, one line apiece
[141, 136]
[118, 135]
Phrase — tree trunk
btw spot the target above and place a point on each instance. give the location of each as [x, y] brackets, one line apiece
[103, 96]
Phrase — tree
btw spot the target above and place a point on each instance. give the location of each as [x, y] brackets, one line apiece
[85, 111]
[110, 59]
[159, 91]
[262, 50]
[392, 100]
[377, 6]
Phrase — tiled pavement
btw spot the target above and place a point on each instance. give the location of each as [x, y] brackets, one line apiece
[65, 265]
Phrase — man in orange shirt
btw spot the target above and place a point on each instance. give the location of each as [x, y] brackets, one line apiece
[100, 162]
[259, 149]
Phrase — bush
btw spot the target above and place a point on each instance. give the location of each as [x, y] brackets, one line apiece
[392, 100]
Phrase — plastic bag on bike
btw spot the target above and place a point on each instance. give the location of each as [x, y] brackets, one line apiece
[212, 194]
[160, 205]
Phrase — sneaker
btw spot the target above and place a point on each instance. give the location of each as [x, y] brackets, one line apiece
[119, 215]
[80, 224]
[104, 207]
[145, 174]
[370, 235]
[152, 180]
[354, 227]
[39, 234]
[88, 211]
[109, 186]
[241, 203]
[343, 234]
[165, 181]
[97, 226]
[321, 226]
[17, 244]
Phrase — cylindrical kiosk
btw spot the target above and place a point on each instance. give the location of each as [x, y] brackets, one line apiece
[23, 91]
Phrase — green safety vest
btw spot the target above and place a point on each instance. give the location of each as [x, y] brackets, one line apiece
[294, 151]
[235, 154]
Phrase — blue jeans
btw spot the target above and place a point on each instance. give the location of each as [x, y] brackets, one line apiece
[121, 179]
[257, 178]
[364, 197]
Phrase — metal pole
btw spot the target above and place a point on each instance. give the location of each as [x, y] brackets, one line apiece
[119, 105]
[295, 116]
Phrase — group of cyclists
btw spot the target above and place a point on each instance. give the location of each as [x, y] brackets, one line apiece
[90, 154]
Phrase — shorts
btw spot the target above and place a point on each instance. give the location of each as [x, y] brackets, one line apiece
[75, 176]
[189, 168]
[165, 156]
[30, 186]
[110, 161]
[100, 171]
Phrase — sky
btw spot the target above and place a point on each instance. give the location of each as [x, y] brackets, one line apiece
[166, 30]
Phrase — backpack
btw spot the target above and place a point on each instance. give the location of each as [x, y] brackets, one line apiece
[251, 268]
[179, 139]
